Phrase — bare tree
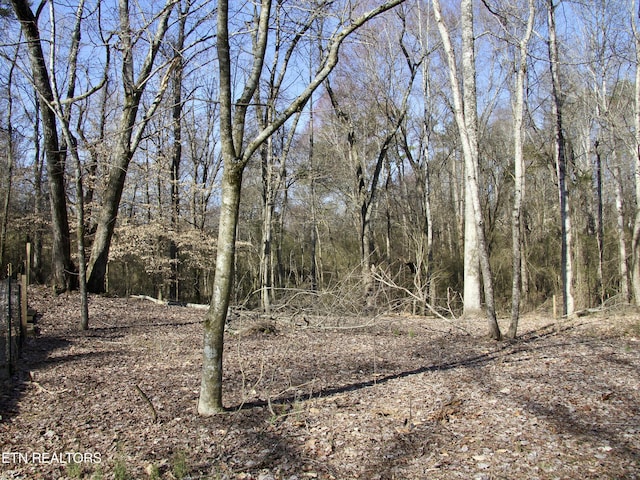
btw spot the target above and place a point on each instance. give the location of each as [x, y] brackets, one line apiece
[130, 130]
[465, 110]
[237, 150]
[369, 132]
[635, 275]
[61, 251]
[10, 149]
[561, 165]
[519, 170]
[71, 143]
[177, 106]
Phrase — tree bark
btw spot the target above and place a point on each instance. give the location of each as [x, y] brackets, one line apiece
[561, 167]
[635, 275]
[599, 225]
[210, 401]
[127, 142]
[10, 153]
[61, 251]
[38, 165]
[232, 135]
[176, 153]
[519, 176]
[465, 112]
[623, 269]
[70, 145]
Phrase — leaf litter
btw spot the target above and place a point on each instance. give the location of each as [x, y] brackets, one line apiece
[400, 398]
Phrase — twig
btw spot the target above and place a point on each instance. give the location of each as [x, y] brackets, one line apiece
[392, 284]
[42, 389]
[144, 396]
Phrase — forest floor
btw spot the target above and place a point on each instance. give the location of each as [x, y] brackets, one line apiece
[395, 397]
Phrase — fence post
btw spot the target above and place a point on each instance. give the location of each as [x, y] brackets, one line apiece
[24, 310]
[28, 263]
[9, 350]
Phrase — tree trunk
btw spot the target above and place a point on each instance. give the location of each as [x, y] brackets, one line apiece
[312, 186]
[561, 168]
[38, 196]
[635, 244]
[472, 296]
[9, 172]
[625, 291]
[127, 141]
[268, 200]
[232, 138]
[70, 145]
[519, 177]
[176, 154]
[599, 225]
[472, 189]
[97, 267]
[61, 251]
[472, 233]
[466, 118]
[210, 401]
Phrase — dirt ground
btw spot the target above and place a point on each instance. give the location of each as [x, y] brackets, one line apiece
[327, 398]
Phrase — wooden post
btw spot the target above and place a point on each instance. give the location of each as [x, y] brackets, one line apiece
[28, 264]
[24, 311]
[555, 311]
[9, 343]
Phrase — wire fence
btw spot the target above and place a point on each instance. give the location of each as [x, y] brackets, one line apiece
[12, 324]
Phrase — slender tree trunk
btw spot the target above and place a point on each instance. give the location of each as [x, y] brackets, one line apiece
[471, 163]
[267, 226]
[175, 179]
[561, 167]
[176, 154]
[599, 225]
[623, 270]
[471, 289]
[519, 176]
[232, 131]
[10, 153]
[174, 289]
[70, 145]
[427, 230]
[635, 247]
[82, 265]
[312, 186]
[38, 195]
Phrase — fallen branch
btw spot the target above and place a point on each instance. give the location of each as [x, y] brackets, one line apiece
[171, 303]
[144, 396]
[42, 389]
[392, 284]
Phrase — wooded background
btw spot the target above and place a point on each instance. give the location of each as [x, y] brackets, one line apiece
[358, 201]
